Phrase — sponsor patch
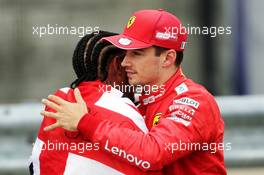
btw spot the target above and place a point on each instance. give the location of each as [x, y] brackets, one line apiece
[184, 108]
[148, 100]
[165, 35]
[187, 101]
[179, 120]
[181, 89]
[182, 115]
[129, 157]
[183, 45]
[151, 99]
[156, 118]
[124, 41]
[131, 21]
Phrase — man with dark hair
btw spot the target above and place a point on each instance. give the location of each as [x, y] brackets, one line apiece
[182, 116]
[70, 152]
[179, 54]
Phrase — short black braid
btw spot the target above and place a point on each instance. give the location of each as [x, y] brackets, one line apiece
[78, 56]
[97, 55]
[92, 64]
[85, 69]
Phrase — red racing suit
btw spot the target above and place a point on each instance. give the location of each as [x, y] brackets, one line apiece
[186, 131]
[71, 153]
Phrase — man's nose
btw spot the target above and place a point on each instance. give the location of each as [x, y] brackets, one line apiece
[125, 62]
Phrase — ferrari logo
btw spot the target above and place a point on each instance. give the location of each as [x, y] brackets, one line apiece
[156, 118]
[131, 21]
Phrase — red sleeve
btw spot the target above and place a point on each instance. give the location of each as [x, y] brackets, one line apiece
[159, 147]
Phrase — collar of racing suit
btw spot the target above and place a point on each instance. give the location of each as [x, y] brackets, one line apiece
[167, 87]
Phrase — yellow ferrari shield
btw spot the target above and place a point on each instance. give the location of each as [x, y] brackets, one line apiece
[156, 118]
[131, 21]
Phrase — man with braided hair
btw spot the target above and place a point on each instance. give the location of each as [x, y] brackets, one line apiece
[70, 152]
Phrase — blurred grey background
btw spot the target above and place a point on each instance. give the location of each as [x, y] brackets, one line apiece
[31, 67]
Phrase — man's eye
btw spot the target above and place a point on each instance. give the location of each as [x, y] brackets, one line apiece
[137, 53]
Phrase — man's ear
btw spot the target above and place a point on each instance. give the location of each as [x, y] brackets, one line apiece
[169, 58]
